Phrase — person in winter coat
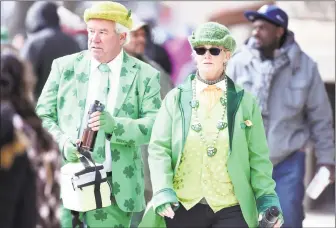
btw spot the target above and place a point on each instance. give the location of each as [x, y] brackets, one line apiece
[30, 161]
[209, 164]
[293, 102]
[45, 41]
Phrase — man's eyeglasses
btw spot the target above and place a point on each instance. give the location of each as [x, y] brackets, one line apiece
[202, 50]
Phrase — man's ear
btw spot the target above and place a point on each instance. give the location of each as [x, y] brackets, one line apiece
[279, 32]
[122, 38]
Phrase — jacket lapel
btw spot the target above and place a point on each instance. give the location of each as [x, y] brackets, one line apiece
[127, 74]
[233, 100]
[82, 73]
[185, 98]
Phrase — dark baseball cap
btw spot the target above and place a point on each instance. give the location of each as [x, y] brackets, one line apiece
[270, 13]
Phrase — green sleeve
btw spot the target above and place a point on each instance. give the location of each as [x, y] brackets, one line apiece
[46, 107]
[261, 167]
[160, 155]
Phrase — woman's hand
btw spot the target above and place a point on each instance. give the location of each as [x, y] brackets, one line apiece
[166, 210]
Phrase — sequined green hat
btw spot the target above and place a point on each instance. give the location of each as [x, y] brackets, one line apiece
[212, 33]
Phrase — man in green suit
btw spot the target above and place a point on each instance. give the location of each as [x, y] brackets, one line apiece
[130, 91]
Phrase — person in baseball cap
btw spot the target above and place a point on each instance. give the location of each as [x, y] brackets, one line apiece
[270, 13]
[293, 101]
[270, 28]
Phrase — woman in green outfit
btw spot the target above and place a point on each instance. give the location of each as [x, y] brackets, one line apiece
[210, 164]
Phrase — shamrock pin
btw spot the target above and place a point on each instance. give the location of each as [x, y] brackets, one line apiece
[246, 123]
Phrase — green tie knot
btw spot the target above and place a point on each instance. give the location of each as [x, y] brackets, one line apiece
[104, 67]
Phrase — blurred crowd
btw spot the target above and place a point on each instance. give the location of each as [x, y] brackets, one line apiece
[26, 60]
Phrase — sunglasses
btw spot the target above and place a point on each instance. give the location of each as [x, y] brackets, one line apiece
[202, 50]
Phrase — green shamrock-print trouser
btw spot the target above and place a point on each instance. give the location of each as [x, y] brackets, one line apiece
[112, 217]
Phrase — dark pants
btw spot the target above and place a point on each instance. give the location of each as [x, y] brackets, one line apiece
[289, 177]
[202, 216]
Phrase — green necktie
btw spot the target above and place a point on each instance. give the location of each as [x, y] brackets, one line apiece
[99, 151]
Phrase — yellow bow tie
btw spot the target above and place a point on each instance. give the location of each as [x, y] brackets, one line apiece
[210, 96]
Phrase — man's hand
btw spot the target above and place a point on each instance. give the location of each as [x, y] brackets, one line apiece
[70, 151]
[166, 210]
[331, 169]
[101, 120]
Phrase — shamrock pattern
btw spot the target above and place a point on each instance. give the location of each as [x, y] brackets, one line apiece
[62, 101]
[53, 87]
[68, 75]
[157, 102]
[82, 77]
[100, 215]
[119, 226]
[129, 204]
[126, 88]
[123, 72]
[143, 129]
[119, 130]
[115, 155]
[101, 152]
[146, 81]
[115, 188]
[130, 143]
[128, 108]
[81, 104]
[147, 89]
[129, 171]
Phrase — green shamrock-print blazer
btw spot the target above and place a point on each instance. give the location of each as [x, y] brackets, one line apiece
[61, 108]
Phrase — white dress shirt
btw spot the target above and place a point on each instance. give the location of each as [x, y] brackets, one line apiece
[92, 95]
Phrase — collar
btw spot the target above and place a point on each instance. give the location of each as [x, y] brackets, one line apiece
[113, 64]
[200, 86]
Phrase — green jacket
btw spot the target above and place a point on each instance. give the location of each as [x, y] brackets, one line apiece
[248, 164]
[61, 108]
